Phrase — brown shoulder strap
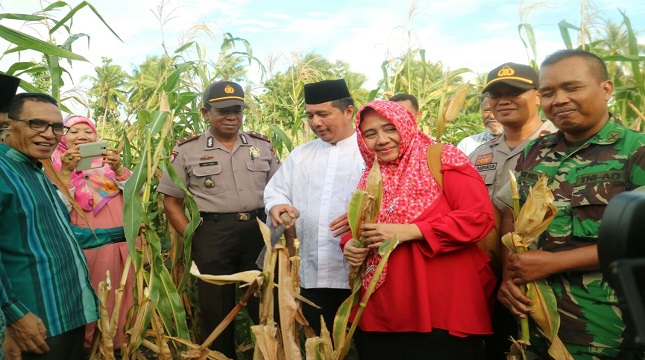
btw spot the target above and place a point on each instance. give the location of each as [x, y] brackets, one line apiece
[434, 162]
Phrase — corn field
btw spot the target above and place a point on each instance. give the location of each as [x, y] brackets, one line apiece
[163, 102]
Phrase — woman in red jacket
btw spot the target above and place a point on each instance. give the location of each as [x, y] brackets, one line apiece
[432, 300]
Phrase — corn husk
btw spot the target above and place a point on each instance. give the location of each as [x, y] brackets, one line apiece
[455, 103]
[533, 218]
[364, 206]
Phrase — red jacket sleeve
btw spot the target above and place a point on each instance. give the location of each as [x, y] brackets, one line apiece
[464, 214]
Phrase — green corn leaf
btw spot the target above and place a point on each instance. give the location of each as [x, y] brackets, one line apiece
[29, 42]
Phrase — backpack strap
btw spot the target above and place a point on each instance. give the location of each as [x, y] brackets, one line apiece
[434, 162]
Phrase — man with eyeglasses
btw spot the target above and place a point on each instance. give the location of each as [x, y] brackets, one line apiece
[45, 291]
[226, 170]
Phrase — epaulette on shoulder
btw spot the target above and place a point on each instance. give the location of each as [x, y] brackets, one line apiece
[259, 136]
[187, 139]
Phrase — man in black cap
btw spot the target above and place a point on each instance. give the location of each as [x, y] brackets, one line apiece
[318, 179]
[225, 170]
[513, 99]
[8, 88]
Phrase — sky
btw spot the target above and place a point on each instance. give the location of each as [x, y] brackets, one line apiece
[475, 34]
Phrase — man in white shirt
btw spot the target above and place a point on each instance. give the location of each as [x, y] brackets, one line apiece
[493, 129]
[318, 178]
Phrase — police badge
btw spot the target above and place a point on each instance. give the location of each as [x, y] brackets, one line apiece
[255, 152]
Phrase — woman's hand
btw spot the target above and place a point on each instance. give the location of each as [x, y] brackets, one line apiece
[376, 234]
[113, 159]
[353, 255]
[69, 159]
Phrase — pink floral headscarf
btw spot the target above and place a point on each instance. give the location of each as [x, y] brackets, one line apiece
[408, 185]
[93, 187]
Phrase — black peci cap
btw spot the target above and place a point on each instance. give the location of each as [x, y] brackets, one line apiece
[8, 88]
[324, 91]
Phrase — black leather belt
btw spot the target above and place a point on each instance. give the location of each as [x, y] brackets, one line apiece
[241, 216]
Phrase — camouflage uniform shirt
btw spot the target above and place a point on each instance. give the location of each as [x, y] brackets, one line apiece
[584, 179]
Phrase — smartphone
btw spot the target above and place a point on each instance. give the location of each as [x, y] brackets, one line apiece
[91, 155]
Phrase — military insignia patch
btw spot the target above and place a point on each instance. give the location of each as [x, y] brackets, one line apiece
[260, 136]
[187, 139]
[244, 139]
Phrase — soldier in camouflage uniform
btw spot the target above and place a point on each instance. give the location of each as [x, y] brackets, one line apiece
[589, 160]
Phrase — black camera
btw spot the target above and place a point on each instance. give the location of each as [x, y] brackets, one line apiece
[621, 251]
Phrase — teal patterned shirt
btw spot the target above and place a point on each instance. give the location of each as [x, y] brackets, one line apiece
[42, 266]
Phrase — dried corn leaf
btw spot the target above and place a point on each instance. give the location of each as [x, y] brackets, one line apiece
[267, 345]
[289, 306]
[267, 286]
[197, 351]
[244, 277]
[105, 338]
[319, 347]
[163, 351]
[138, 331]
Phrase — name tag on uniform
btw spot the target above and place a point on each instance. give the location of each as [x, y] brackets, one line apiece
[210, 163]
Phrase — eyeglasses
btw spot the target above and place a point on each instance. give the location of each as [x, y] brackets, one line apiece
[42, 125]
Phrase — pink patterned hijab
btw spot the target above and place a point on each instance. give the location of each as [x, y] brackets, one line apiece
[93, 187]
[408, 185]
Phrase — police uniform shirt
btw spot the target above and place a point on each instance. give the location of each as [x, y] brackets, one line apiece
[220, 180]
[494, 159]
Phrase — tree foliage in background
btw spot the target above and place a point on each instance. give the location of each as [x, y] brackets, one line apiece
[280, 103]
[107, 92]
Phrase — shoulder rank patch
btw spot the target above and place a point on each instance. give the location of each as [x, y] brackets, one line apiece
[259, 136]
[187, 139]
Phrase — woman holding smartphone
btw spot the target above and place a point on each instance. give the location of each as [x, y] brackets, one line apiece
[99, 192]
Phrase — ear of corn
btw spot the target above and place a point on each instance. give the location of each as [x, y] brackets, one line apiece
[531, 221]
[364, 206]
